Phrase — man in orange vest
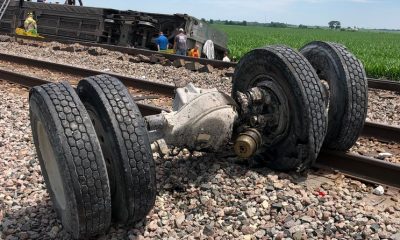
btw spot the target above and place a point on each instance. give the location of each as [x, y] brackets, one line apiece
[195, 52]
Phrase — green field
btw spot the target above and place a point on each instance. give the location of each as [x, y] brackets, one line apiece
[379, 51]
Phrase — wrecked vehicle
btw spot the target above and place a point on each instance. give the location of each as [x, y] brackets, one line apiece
[109, 26]
[95, 148]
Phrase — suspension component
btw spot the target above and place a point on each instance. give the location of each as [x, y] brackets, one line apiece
[202, 119]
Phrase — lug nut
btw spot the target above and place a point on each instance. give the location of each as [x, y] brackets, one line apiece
[253, 121]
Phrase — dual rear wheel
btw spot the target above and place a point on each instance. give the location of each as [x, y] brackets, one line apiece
[94, 153]
[318, 97]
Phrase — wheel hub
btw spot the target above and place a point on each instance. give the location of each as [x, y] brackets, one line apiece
[265, 109]
[247, 143]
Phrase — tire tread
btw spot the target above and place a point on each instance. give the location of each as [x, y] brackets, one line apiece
[133, 144]
[86, 167]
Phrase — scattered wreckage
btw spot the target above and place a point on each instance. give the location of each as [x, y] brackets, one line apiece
[109, 26]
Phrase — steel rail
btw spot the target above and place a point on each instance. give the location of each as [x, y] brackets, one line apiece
[381, 84]
[29, 82]
[359, 167]
[23, 80]
[355, 166]
[382, 132]
[165, 89]
[384, 84]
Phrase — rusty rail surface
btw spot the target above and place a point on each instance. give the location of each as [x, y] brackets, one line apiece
[381, 84]
[384, 84]
[379, 131]
[356, 166]
[165, 89]
[382, 132]
[360, 167]
[23, 80]
[29, 82]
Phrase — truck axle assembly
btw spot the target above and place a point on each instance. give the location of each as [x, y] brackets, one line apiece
[95, 148]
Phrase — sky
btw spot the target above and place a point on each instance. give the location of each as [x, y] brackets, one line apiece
[360, 13]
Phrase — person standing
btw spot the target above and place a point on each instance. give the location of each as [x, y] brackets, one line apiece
[30, 24]
[162, 42]
[180, 45]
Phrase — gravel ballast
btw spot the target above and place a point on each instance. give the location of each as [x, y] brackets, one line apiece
[55, 76]
[200, 196]
[374, 148]
[119, 63]
[384, 107]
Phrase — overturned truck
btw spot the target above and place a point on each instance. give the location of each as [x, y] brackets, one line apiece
[109, 26]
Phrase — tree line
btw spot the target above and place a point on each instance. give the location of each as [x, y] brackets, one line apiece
[334, 24]
[246, 23]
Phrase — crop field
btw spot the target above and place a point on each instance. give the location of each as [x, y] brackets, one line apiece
[379, 51]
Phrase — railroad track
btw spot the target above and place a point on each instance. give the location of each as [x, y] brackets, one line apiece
[381, 84]
[356, 166]
[166, 89]
[380, 131]
[146, 109]
[359, 167]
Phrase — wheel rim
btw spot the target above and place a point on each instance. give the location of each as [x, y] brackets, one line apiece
[51, 166]
[297, 92]
[277, 109]
[102, 136]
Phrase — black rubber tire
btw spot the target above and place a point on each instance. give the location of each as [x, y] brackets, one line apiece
[292, 72]
[60, 122]
[125, 144]
[348, 87]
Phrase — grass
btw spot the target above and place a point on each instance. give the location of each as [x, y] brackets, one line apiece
[379, 51]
